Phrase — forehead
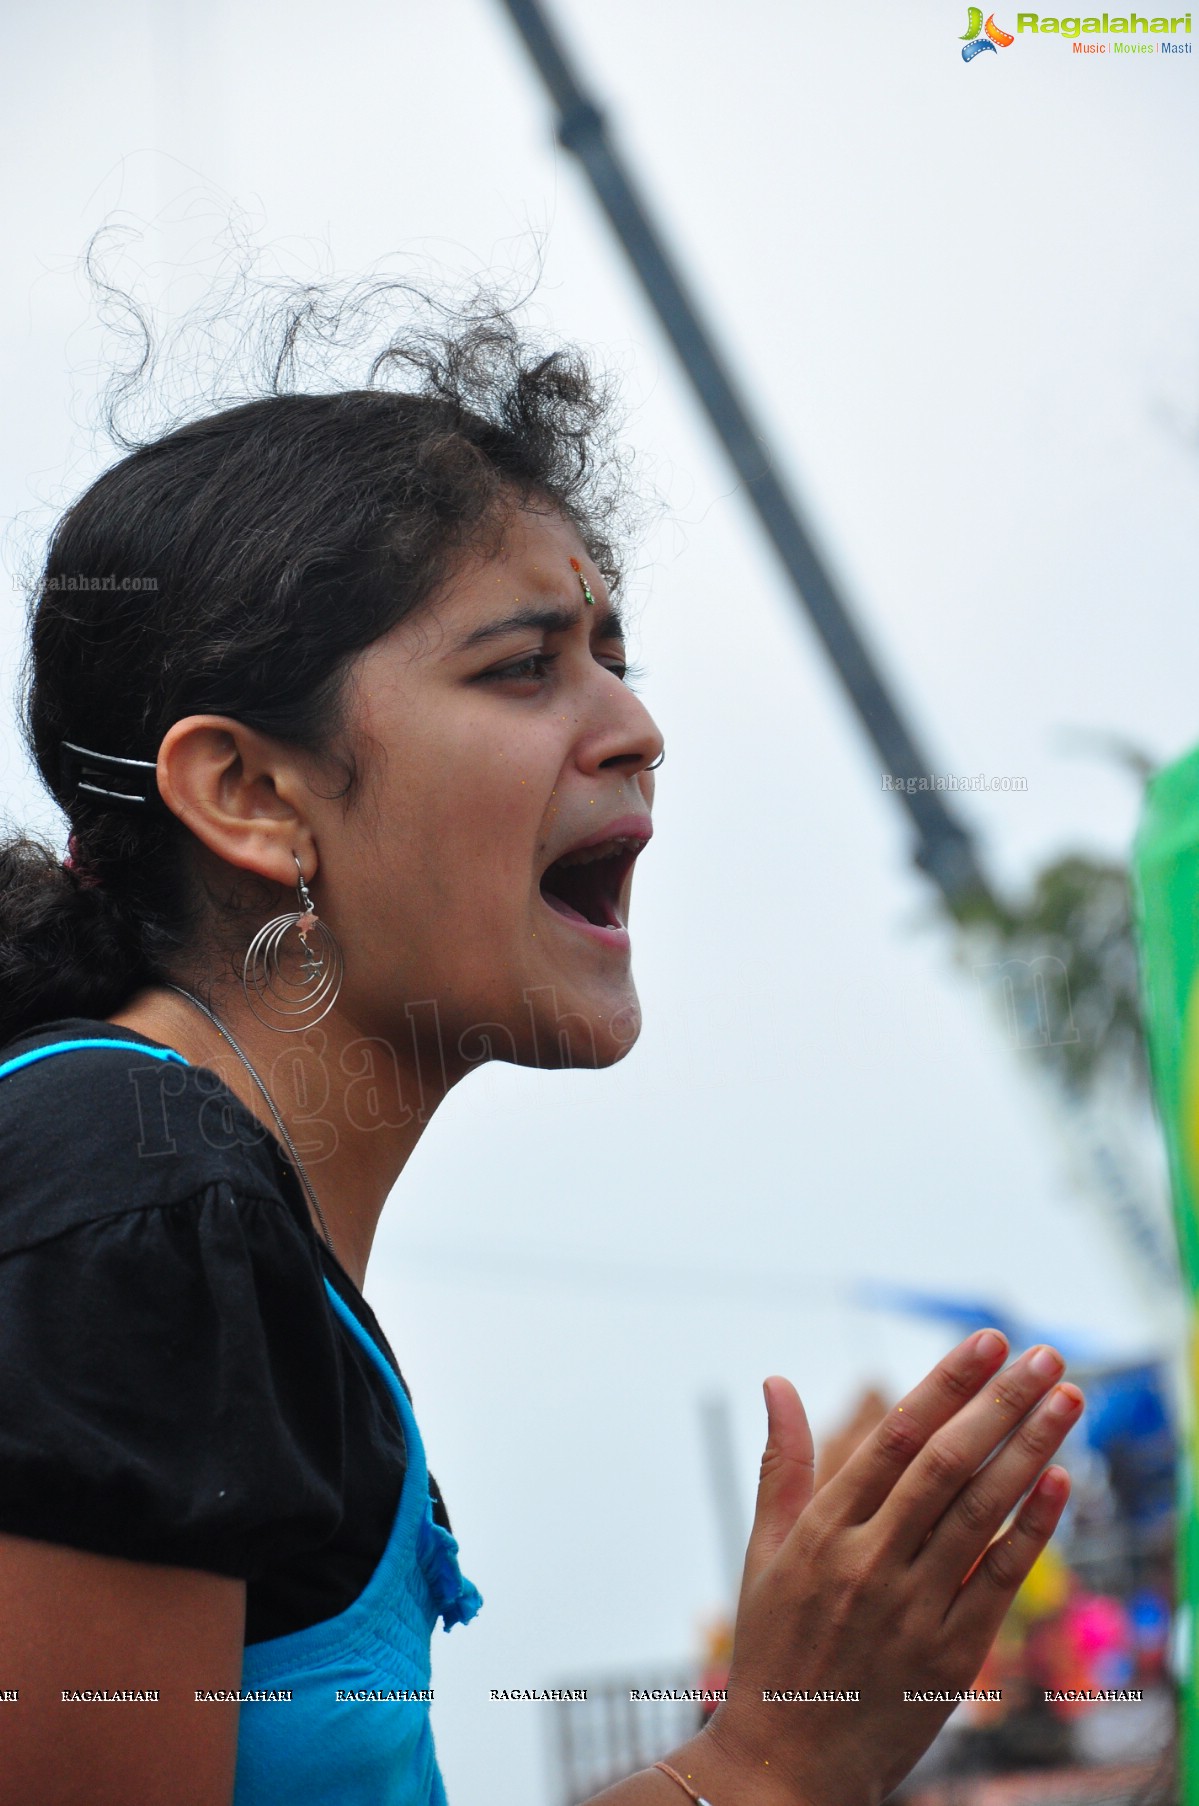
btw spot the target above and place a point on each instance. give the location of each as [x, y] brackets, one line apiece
[531, 550]
[532, 576]
[526, 568]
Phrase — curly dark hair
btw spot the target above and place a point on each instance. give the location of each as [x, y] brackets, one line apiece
[236, 566]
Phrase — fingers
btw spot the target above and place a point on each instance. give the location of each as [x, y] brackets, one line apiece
[836, 1449]
[981, 1507]
[867, 1478]
[945, 1466]
[785, 1485]
[980, 1605]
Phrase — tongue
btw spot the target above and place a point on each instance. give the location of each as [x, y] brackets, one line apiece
[564, 908]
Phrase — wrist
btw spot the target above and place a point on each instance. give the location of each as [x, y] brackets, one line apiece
[750, 1768]
[727, 1775]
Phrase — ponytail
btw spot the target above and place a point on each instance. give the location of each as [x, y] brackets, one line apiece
[67, 948]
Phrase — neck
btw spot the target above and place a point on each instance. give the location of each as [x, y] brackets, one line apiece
[354, 1103]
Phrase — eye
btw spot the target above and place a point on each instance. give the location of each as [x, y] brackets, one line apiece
[535, 665]
[629, 675]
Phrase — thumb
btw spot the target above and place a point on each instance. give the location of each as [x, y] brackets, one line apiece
[786, 1481]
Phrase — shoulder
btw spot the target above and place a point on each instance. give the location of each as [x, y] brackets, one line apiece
[90, 1133]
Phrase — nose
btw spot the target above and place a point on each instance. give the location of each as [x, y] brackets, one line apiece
[623, 737]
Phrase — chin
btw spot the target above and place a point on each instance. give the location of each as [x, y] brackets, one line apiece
[567, 1032]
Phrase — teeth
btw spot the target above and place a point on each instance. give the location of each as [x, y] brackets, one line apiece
[607, 849]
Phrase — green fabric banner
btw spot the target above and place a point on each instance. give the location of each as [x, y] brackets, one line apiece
[1165, 889]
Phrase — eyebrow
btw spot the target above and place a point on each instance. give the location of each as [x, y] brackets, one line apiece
[543, 620]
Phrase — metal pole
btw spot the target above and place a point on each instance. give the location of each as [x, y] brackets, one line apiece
[716, 1419]
[944, 849]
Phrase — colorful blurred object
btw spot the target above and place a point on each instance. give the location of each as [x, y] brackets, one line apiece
[1165, 874]
[1099, 1630]
[718, 1656]
[1046, 1589]
[1128, 1423]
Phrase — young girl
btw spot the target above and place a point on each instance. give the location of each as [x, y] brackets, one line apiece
[331, 690]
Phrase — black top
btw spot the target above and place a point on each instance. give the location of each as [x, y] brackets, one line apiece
[174, 1384]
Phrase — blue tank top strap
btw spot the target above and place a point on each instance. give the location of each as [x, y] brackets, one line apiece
[415, 1491]
[361, 1680]
[456, 1598]
[57, 1047]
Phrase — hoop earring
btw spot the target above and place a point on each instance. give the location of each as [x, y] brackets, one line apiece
[262, 974]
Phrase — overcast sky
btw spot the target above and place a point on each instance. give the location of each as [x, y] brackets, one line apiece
[966, 303]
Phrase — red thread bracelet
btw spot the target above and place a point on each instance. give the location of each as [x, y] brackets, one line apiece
[685, 1785]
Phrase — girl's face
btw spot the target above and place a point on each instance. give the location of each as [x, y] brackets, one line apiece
[481, 888]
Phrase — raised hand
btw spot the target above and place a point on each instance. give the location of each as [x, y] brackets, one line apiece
[892, 1579]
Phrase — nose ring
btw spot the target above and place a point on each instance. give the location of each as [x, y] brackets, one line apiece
[660, 760]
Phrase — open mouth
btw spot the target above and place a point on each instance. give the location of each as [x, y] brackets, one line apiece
[585, 886]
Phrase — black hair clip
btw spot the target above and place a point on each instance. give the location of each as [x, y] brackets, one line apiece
[128, 783]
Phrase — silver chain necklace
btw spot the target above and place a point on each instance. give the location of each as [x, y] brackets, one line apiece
[279, 1122]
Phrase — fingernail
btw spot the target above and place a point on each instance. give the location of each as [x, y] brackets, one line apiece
[1047, 1363]
[1053, 1483]
[990, 1345]
[1064, 1401]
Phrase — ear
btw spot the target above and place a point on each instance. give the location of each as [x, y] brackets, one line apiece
[240, 793]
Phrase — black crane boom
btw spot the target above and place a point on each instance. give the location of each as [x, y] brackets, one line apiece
[944, 848]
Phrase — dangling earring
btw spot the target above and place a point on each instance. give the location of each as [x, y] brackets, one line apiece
[262, 975]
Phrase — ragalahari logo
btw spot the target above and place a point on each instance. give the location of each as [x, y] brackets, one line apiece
[974, 41]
